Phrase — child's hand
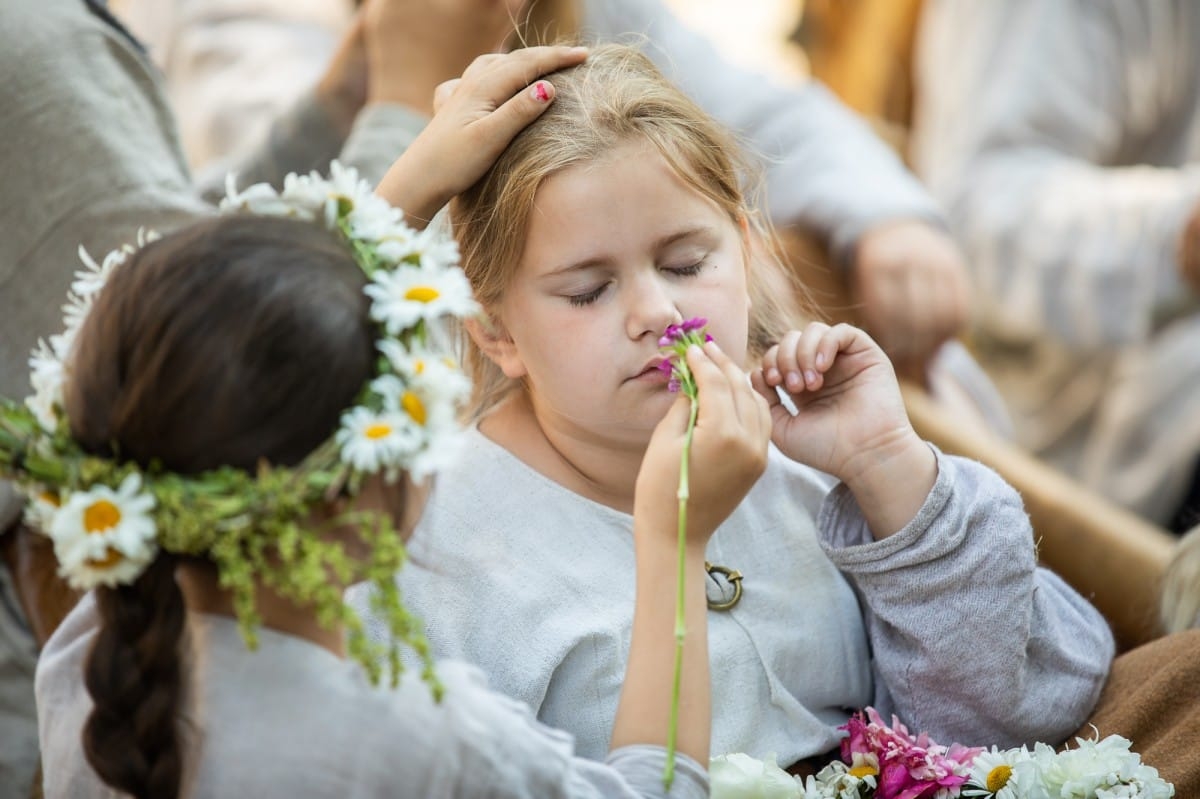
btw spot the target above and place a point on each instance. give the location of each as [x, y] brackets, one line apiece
[850, 420]
[729, 450]
[478, 116]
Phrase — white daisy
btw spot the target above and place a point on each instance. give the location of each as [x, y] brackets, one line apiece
[104, 537]
[437, 249]
[409, 295]
[1003, 774]
[261, 199]
[438, 375]
[373, 441]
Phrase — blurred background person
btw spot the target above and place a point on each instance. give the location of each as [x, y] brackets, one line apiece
[1064, 138]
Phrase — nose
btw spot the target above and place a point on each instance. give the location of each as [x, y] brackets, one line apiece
[650, 306]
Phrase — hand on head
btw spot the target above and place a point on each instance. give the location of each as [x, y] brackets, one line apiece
[911, 283]
[478, 116]
[729, 446]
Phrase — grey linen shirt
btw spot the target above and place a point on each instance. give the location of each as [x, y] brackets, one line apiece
[949, 622]
[292, 719]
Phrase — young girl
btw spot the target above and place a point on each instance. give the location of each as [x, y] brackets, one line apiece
[198, 476]
[863, 568]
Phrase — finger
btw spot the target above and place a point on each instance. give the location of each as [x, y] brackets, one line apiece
[443, 92]
[511, 118]
[499, 77]
[787, 368]
[751, 407]
[712, 386]
[811, 367]
[768, 393]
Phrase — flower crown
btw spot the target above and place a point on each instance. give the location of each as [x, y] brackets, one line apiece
[108, 518]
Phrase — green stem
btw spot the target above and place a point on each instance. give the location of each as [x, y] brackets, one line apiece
[673, 729]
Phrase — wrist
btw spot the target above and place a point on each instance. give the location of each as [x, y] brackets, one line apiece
[891, 481]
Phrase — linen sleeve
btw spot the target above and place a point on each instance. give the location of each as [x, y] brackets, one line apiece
[1046, 129]
[505, 751]
[90, 157]
[971, 640]
[824, 168]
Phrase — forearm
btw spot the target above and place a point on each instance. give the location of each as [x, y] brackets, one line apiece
[973, 642]
[643, 714]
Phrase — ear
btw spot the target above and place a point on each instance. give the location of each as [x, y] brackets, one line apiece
[493, 340]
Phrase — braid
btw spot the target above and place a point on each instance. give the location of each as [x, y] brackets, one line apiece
[135, 677]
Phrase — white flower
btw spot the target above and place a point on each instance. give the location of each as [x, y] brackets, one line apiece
[1004, 774]
[437, 375]
[47, 377]
[437, 250]
[104, 537]
[836, 781]
[408, 295]
[1101, 769]
[261, 199]
[739, 776]
[429, 397]
[373, 442]
[40, 509]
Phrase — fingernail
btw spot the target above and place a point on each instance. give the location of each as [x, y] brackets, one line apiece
[820, 359]
[810, 376]
[793, 380]
[579, 49]
[541, 92]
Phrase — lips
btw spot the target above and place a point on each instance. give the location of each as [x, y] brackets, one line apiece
[652, 370]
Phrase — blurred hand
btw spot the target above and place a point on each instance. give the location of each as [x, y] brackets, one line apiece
[911, 283]
[729, 450]
[342, 89]
[478, 116]
[1189, 251]
[414, 45]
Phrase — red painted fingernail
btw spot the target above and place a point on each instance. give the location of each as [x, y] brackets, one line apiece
[539, 91]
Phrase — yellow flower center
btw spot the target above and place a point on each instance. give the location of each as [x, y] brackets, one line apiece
[50, 498]
[111, 558]
[998, 777]
[378, 430]
[421, 294]
[100, 516]
[419, 366]
[413, 406]
[865, 770]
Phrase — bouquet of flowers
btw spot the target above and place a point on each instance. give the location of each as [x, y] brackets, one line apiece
[882, 762]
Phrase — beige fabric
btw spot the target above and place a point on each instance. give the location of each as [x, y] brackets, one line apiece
[1064, 138]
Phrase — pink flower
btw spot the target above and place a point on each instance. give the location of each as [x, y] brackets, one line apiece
[675, 340]
[909, 767]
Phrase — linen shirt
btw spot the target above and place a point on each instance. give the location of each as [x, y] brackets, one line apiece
[292, 719]
[1064, 138]
[948, 622]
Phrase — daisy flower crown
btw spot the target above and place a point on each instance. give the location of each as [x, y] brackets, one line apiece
[109, 518]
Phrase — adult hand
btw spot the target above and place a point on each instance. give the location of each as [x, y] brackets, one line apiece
[911, 284]
[414, 45]
[478, 116]
[342, 89]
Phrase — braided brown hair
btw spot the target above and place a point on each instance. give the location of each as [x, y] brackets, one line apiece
[236, 340]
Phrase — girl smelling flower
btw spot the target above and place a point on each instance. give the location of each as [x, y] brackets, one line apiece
[874, 570]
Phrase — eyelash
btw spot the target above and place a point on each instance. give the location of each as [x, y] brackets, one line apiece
[587, 298]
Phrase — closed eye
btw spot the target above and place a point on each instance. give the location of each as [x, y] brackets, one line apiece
[588, 297]
[690, 270]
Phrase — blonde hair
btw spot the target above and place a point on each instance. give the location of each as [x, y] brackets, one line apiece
[1180, 606]
[614, 97]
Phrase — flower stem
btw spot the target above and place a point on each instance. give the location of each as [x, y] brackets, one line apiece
[673, 728]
